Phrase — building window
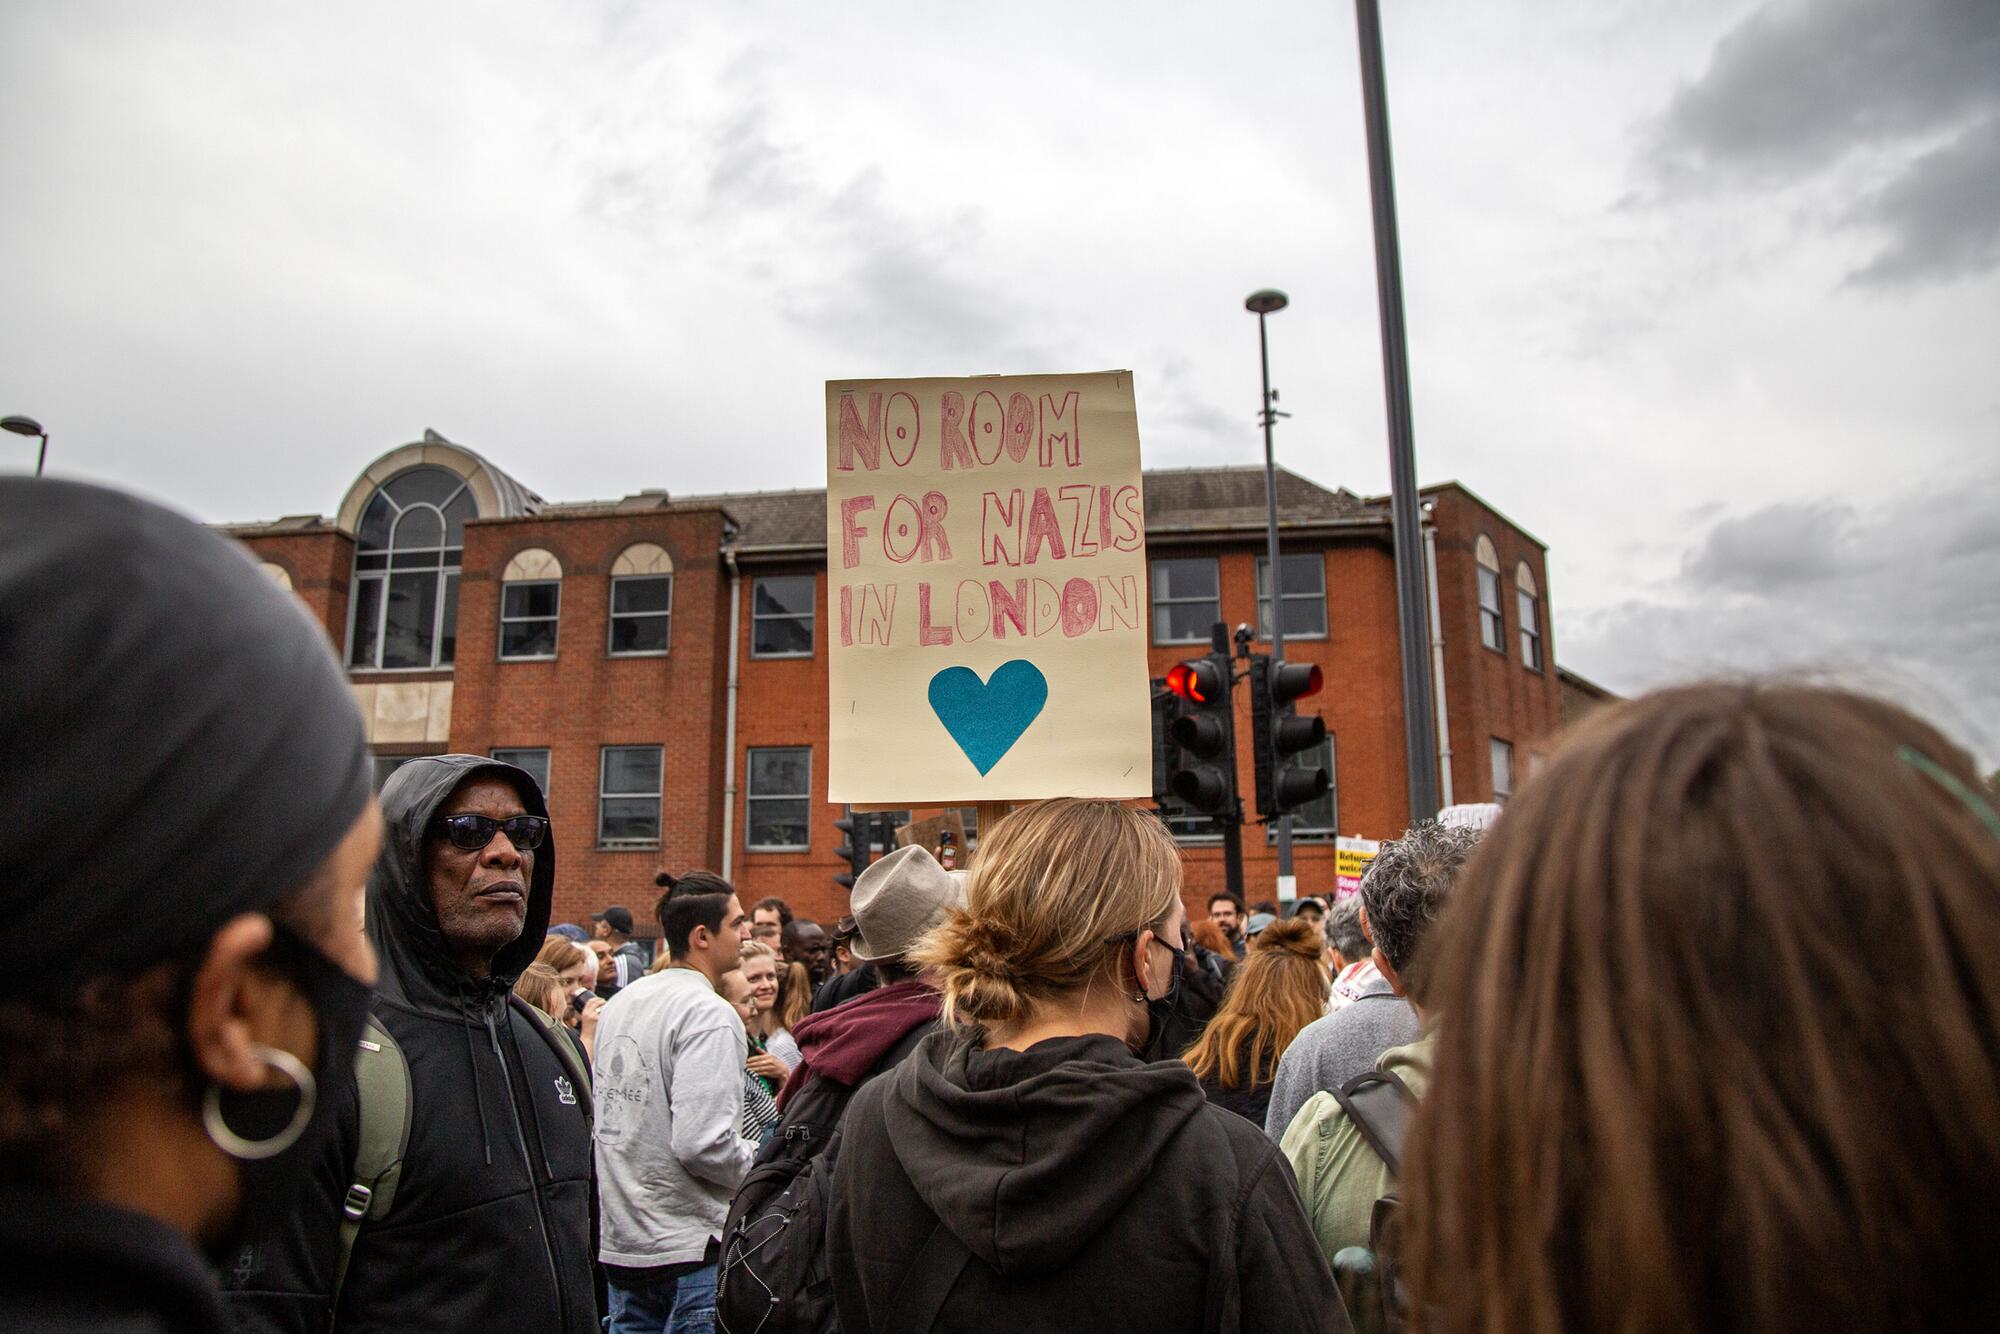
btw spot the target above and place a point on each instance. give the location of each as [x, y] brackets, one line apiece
[781, 617]
[628, 797]
[530, 597]
[779, 798]
[384, 765]
[1503, 769]
[1187, 600]
[1304, 595]
[1492, 629]
[1317, 820]
[534, 759]
[404, 608]
[642, 602]
[1528, 605]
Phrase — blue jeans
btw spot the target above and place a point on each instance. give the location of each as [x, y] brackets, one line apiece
[683, 1307]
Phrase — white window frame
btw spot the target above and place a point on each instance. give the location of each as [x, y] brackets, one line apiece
[1492, 620]
[810, 616]
[1318, 595]
[554, 619]
[659, 775]
[446, 572]
[1500, 759]
[1528, 607]
[612, 616]
[502, 754]
[1157, 601]
[751, 797]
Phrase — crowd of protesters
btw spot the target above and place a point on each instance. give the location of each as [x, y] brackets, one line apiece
[1703, 1031]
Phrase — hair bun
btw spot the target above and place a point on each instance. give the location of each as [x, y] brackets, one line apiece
[987, 947]
[666, 880]
[1293, 934]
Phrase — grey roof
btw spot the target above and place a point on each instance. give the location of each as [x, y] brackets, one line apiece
[1178, 500]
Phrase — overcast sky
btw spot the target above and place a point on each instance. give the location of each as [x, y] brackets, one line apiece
[1703, 294]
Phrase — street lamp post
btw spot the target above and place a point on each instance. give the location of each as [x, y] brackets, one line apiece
[29, 426]
[1269, 301]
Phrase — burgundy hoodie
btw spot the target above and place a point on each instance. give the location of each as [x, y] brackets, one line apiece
[843, 1044]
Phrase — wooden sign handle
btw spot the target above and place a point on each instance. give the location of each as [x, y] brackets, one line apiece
[990, 813]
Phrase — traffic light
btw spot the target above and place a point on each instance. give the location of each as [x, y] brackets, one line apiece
[1202, 774]
[856, 832]
[1278, 734]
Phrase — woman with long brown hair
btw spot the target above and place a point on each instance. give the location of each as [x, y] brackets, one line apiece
[1719, 1044]
[1279, 989]
[1024, 1168]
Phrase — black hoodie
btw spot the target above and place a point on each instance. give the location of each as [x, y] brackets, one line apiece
[1093, 1190]
[490, 1228]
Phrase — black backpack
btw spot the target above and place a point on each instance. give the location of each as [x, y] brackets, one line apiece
[773, 1276]
[1381, 1108]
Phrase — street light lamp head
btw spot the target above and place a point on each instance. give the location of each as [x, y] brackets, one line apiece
[1265, 302]
[22, 426]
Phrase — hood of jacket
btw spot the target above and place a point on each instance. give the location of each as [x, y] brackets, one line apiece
[417, 966]
[843, 1044]
[1026, 1155]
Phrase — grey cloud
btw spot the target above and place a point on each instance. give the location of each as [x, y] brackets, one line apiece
[1779, 545]
[1797, 86]
[1943, 214]
[1898, 599]
[1844, 91]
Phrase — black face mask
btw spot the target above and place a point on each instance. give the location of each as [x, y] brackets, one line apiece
[1165, 1024]
[340, 1004]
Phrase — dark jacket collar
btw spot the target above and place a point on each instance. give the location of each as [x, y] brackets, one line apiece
[76, 1264]
[417, 968]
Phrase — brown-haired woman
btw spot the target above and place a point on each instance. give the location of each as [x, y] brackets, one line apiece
[1720, 1035]
[1280, 987]
[1022, 1166]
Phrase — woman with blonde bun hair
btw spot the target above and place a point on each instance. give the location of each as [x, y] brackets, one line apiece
[1023, 1168]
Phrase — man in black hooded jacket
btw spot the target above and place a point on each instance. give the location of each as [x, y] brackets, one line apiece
[490, 1225]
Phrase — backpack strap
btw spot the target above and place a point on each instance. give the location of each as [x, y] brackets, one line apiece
[566, 1052]
[1381, 1108]
[382, 1078]
[926, 1283]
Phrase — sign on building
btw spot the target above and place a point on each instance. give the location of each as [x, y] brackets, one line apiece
[986, 556]
[1350, 862]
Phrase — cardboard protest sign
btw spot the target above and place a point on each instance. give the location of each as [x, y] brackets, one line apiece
[986, 557]
[1350, 862]
[926, 830]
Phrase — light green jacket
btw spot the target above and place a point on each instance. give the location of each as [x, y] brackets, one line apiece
[1340, 1177]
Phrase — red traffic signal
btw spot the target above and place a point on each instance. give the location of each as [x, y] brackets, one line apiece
[1200, 682]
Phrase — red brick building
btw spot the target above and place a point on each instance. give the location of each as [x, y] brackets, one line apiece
[661, 661]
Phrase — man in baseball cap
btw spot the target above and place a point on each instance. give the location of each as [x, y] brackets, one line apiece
[630, 957]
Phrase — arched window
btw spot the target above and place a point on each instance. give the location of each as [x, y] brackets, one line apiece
[642, 601]
[1492, 628]
[530, 602]
[406, 552]
[1528, 605]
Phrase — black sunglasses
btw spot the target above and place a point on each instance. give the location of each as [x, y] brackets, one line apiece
[473, 832]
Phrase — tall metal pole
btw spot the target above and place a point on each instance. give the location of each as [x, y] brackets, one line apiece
[1419, 729]
[1276, 586]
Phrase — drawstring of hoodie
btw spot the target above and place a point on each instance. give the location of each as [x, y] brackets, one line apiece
[534, 1112]
[478, 1097]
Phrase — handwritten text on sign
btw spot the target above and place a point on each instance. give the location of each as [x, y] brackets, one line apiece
[986, 544]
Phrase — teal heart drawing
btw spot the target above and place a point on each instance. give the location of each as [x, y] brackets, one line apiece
[987, 717]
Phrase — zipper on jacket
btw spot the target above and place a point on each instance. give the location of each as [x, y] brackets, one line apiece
[528, 1164]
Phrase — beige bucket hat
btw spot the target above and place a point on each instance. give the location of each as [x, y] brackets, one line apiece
[898, 899]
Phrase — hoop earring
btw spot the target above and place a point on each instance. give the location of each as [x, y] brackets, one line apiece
[251, 1150]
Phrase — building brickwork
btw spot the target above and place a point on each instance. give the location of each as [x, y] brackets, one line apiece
[582, 698]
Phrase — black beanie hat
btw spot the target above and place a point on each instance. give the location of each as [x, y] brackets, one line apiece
[177, 741]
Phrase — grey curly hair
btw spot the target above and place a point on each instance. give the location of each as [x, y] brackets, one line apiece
[1406, 888]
